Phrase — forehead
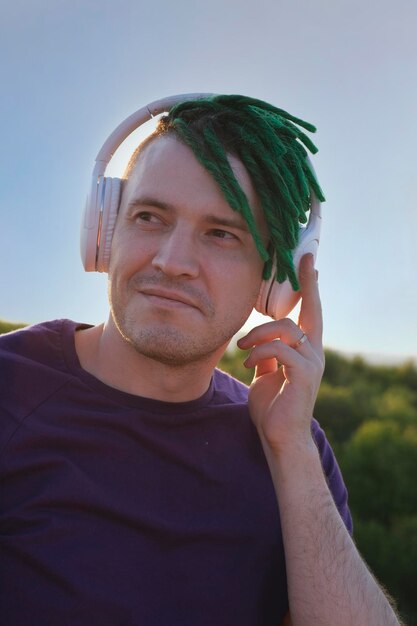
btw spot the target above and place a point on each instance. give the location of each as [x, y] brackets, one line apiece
[166, 167]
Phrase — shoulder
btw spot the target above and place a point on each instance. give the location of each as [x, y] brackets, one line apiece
[32, 341]
[43, 343]
[32, 368]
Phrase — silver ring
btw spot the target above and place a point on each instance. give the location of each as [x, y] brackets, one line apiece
[300, 342]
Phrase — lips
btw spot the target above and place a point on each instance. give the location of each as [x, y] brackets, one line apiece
[169, 295]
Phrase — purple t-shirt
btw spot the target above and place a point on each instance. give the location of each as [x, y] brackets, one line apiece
[121, 510]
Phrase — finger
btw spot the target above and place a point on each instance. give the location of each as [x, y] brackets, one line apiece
[310, 319]
[284, 329]
[278, 372]
[277, 350]
[266, 366]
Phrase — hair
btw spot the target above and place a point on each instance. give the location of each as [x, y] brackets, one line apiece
[273, 149]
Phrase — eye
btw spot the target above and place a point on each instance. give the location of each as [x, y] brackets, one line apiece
[146, 216]
[223, 234]
[148, 220]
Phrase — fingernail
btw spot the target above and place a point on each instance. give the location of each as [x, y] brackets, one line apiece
[317, 275]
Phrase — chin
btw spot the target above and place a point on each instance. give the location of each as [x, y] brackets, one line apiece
[177, 341]
[173, 346]
[170, 350]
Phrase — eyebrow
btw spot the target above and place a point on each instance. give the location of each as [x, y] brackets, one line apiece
[148, 201]
[215, 220]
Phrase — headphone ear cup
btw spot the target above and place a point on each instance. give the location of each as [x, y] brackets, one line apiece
[282, 299]
[98, 223]
[110, 204]
[264, 290]
[278, 299]
[90, 225]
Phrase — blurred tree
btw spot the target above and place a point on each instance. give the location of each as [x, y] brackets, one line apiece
[341, 410]
[379, 464]
[6, 327]
[339, 371]
[391, 553]
[398, 404]
[232, 362]
[342, 371]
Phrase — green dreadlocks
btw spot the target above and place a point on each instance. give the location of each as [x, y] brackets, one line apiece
[270, 145]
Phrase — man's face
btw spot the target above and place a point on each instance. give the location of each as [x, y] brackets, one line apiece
[184, 269]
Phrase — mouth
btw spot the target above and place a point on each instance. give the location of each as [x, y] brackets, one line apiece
[168, 298]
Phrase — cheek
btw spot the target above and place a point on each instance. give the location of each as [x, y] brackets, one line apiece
[254, 284]
[253, 276]
[242, 281]
[127, 254]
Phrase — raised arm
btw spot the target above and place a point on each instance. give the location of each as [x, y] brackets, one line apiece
[328, 581]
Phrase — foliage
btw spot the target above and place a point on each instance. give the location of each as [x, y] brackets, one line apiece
[369, 413]
[341, 409]
[392, 555]
[6, 327]
[380, 465]
[232, 362]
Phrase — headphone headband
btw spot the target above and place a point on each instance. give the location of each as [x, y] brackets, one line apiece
[139, 117]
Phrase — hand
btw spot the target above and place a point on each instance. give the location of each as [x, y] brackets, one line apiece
[281, 399]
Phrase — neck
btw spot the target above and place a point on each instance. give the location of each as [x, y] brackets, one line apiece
[105, 354]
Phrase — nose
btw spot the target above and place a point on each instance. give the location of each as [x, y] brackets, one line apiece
[177, 255]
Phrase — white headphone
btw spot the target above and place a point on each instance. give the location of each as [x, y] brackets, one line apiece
[97, 227]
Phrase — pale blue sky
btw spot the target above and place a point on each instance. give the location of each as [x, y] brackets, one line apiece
[71, 70]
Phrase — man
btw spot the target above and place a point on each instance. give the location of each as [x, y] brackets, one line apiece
[141, 485]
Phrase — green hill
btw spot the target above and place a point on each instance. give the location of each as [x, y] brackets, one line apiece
[6, 327]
